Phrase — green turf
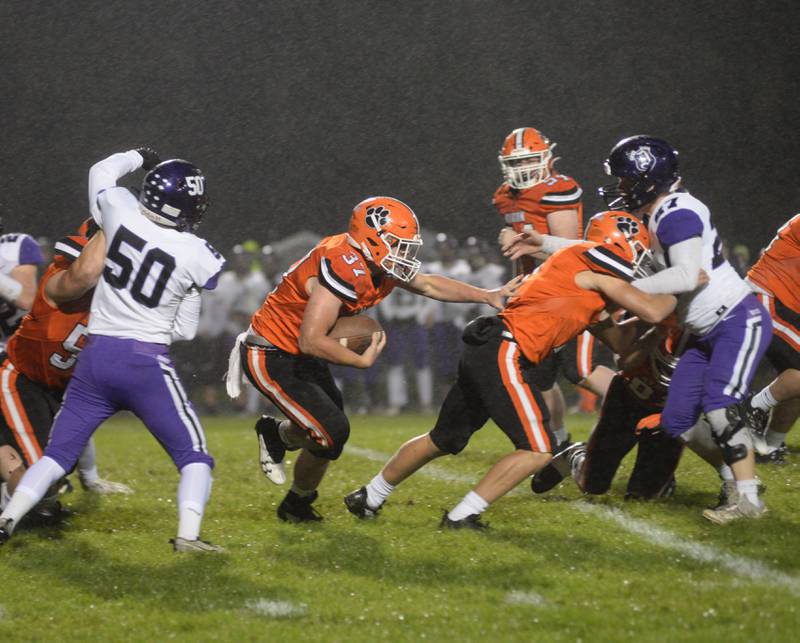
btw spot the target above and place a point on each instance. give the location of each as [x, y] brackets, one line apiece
[550, 569]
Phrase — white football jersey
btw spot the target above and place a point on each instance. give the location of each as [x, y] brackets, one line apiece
[149, 269]
[679, 216]
[16, 249]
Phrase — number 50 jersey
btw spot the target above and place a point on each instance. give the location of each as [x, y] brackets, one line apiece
[148, 271]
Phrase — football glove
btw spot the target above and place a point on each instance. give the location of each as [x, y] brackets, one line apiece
[150, 158]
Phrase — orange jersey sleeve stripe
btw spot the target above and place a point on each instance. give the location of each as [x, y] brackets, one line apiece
[15, 416]
[522, 397]
[257, 362]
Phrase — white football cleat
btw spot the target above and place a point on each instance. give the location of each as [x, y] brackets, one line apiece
[742, 509]
[104, 487]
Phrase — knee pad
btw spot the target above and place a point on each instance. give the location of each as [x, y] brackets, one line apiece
[731, 434]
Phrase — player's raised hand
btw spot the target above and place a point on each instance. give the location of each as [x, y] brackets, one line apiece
[524, 243]
[150, 156]
[374, 349]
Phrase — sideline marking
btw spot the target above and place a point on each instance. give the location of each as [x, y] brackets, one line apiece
[740, 565]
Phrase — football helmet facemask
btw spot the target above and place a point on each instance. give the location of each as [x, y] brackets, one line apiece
[645, 167]
[386, 231]
[525, 158]
[626, 236]
[174, 195]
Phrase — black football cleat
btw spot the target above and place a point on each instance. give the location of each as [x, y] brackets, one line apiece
[773, 456]
[271, 449]
[356, 503]
[294, 508]
[473, 521]
[754, 419]
[6, 529]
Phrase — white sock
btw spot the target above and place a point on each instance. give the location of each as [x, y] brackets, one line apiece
[471, 504]
[4, 496]
[764, 400]
[774, 439]
[377, 491]
[726, 473]
[749, 488]
[561, 435]
[194, 490]
[87, 463]
[32, 488]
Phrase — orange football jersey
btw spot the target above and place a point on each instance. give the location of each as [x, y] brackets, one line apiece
[531, 207]
[45, 346]
[340, 268]
[778, 269]
[551, 309]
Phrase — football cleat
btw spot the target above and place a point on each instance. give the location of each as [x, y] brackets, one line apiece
[271, 449]
[473, 521]
[558, 468]
[104, 487]
[754, 418]
[774, 455]
[356, 503]
[295, 508]
[6, 529]
[742, 509]
[186, 545]
[728, 494]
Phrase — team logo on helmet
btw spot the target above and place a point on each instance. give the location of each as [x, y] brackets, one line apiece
[643, 158]
[378, 217]
[627, 226]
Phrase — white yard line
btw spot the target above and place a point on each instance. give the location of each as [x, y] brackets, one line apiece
[276, 609]
[739, 565]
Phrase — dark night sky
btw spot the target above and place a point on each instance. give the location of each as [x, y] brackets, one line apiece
[297, 110]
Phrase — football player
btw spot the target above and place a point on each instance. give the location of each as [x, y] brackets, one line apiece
[148, 297]
[20, 258]
[775, 278]
[730, 329]
[568, 293]
[534, 196]
[41, 358]
[286, 351]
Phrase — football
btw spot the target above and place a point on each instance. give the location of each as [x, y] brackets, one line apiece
[355, 332]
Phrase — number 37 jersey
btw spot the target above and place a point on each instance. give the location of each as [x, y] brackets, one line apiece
[149, 270]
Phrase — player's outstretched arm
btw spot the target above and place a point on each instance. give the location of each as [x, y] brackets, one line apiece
[683, 275]
[649, 308]
[321, 313]
[534, 244]
[447, 289]
[81, 276]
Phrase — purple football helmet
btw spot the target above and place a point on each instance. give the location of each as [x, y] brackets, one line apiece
[174, 195]
[645, 167]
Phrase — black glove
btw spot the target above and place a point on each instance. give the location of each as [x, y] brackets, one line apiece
[150, 156]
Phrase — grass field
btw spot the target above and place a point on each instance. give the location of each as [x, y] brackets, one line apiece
[557, 567]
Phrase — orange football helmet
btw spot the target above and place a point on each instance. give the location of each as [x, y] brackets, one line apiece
[386, 230]
[625, 235]
[525, 158]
